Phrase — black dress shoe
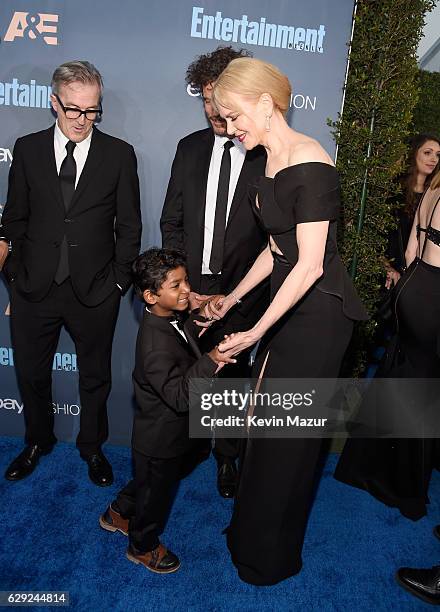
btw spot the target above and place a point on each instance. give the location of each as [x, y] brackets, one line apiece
[26, 462]
[437, 531]
[227, 479]
[100, 470]
[423, 583]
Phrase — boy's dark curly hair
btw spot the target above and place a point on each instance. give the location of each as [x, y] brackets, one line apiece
[207, 68]
[151, 267]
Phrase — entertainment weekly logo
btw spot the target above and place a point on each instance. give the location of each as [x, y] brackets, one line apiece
[298, 101]
[29, 95]
[65, 362]
[260, 33]
[33, 26]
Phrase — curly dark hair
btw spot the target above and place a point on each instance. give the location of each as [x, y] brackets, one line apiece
[207, 68]
[151, 267]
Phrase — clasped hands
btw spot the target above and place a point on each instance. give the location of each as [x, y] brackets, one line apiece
[214, 308]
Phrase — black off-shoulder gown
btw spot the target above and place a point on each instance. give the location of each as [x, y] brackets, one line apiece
[267, 529]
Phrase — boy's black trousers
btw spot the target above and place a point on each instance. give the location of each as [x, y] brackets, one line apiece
[146, 499]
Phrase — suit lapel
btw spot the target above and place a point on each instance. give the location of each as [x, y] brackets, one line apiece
[202, 161]
[242, 186]
[164, 324]
[181, 339]
[190, 344]
[191, 341]
[48, 158]
[94, 159]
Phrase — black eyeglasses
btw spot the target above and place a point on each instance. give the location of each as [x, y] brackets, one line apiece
[75, 113]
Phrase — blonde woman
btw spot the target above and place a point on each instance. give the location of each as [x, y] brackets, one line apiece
[305, 330]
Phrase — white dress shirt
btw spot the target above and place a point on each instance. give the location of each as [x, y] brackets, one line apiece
[238, 153]
[80, 152]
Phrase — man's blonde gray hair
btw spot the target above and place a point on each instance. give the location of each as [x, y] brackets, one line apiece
[78, 71]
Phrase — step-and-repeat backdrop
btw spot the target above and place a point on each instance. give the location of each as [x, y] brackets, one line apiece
[142, 49]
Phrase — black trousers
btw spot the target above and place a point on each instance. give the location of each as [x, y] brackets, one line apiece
[225, 448]
[146, 499]
[35, 329]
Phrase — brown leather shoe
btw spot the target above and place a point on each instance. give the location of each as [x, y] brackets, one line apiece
[113, 521]
[160, 560]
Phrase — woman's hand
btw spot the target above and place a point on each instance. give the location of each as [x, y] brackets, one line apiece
[208, 305]
[392, 277]
[218, 307]
[206, 312]
[234, 344]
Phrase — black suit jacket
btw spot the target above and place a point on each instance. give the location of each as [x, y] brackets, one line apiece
[102, 226]
[164, 364]
[183, 218]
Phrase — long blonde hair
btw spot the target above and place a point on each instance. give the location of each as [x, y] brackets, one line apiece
[251, 77]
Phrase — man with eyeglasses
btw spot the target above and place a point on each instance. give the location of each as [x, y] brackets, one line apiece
[70, 231]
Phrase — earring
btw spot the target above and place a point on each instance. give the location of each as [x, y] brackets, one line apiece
[267, 123]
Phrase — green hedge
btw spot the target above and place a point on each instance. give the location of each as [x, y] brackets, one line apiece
[382, 90]
[427, 110]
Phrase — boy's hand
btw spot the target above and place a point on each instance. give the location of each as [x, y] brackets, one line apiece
[221, 359]
[208, 307]
[196, 300]
[205, 310]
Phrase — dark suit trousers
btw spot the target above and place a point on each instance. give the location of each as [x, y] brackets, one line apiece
[35, 328]
[146, 499]
[225, 448]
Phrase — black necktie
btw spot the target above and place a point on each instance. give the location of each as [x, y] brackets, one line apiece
[221, 207]
[67, 177]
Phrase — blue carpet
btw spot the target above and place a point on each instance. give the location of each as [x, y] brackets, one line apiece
[51, 541]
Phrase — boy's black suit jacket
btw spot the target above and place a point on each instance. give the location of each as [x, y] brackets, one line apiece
[102, 226]
[164, 364]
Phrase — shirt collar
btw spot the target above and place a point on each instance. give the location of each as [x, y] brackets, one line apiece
[171, 319]
[219, 142]
[61, 140]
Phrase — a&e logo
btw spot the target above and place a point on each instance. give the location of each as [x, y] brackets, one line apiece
[33, 26]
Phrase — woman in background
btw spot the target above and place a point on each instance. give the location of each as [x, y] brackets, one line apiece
[423, 158]
[397, 471]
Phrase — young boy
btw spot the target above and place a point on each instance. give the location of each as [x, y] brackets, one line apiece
[167, 356]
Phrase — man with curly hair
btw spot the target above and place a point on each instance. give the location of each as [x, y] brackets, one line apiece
[207, 214]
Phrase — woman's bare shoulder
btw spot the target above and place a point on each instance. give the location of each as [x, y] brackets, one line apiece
[308, 149]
